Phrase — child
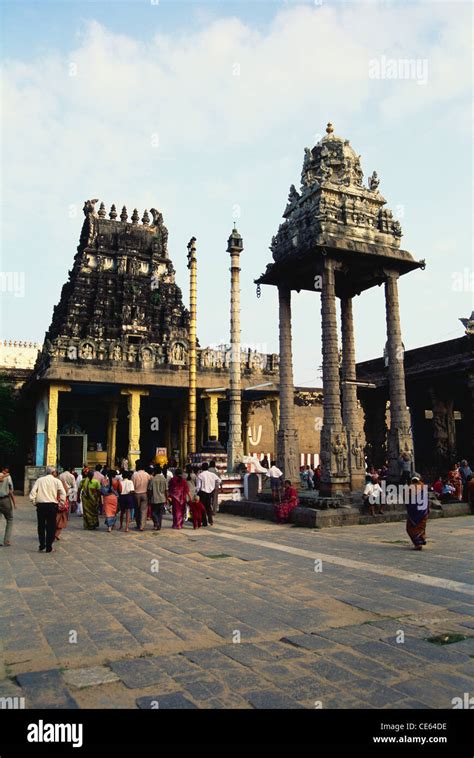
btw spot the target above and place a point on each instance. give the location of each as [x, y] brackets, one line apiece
[126, 499]
[197, 511]
[110, 501]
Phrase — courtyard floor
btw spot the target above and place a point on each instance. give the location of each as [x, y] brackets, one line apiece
[245, 614]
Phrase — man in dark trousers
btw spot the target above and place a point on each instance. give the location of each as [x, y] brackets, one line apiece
[47, 493]
[205, 486]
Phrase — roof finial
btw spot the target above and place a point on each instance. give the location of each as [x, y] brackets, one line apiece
[329, 128]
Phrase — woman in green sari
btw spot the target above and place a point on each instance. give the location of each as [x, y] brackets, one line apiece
[90, 497]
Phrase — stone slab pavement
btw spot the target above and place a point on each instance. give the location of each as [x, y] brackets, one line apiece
[245, 614]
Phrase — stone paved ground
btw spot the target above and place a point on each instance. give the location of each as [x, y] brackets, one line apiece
[164, 634]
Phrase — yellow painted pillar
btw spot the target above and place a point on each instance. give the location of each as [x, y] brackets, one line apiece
[112, 433]
[52, 427]
[211, 403]
[184, 435]
[133, 400]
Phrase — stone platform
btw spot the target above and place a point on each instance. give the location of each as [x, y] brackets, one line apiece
[325, 512]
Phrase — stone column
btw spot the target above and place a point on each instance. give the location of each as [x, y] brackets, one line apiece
[52, 425]
[275, 411]
[235, 448]
[112, 433]
[192, 409]
[350, 408]
[133, 400]
[287, 454]
[400, 435]
[246, 408]
[334, 453]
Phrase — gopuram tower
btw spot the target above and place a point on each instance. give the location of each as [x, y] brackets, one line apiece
[121, 358]
[339, 239]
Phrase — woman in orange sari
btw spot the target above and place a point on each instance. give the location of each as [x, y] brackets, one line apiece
[417, 512]
[288, 503]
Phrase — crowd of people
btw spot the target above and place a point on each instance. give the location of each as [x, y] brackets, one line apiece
[122, 497]
[127, 499]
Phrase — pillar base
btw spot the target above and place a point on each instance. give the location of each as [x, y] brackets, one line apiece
[213, 446]
[337, 486]
[288, 454]
[334, 461]
[400, 441]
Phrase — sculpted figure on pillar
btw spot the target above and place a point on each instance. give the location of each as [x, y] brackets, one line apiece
[339, 450]
[358, 452]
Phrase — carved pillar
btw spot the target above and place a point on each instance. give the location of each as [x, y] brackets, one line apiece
[246, 407]
[287, 434]
[133, 401]
[192, 410]
[112, 433]
[334, 466]
[350, 407]
[400, 435]
[275, 409]
[52, 425]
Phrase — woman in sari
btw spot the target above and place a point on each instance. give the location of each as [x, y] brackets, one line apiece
[90, 497]
[178, 494]
[288, 503]
[417, 512]
[110, 500]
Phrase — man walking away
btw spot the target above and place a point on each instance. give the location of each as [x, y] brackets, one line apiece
[141, 480]
[7, 503]
[206, 484]
[47, 491]
[158, 487]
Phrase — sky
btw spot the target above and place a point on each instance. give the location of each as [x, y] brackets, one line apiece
[203, 110]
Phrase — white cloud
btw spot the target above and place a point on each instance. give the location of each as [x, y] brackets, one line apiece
[67, 137]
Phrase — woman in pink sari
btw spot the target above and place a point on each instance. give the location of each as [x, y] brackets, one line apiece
[178, 495]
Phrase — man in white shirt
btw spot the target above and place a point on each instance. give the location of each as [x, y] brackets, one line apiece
[47, 492]
[372, 495]
[275, 480]
[206, 483]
